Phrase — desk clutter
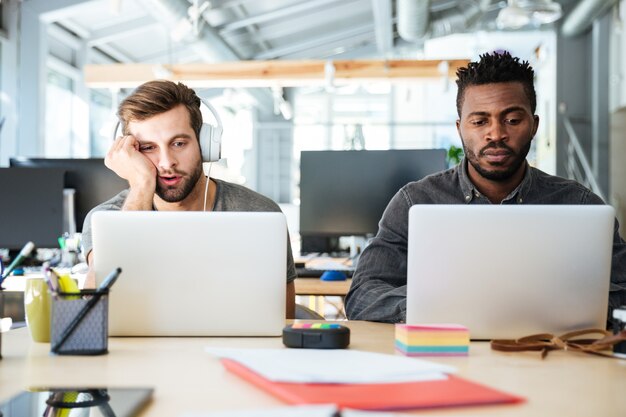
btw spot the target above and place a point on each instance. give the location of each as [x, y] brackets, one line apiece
[78, 325]
[432, 340]
[74, 321]
[356, 380]
[165, 364]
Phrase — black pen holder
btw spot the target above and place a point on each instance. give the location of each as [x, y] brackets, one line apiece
[90, 335]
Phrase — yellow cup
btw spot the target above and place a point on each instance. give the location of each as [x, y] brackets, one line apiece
[37, 309]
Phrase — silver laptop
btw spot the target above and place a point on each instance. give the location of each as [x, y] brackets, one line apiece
[509, 271]
[193, 273]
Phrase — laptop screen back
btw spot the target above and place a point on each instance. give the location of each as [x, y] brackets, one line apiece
[193, 273]
[509, 271]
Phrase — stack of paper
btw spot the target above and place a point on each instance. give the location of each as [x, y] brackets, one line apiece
[432, 340]
[356, 380]
[333, 366]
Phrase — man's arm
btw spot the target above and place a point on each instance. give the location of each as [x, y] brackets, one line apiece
[617, 289]
[126, 160]
[378, 290]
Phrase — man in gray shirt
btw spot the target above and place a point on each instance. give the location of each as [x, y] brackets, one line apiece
[496, 105]
[159, 155]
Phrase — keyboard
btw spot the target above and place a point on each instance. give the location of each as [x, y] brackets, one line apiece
[316, 273]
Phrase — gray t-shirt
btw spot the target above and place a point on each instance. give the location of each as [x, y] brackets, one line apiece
[228, 197]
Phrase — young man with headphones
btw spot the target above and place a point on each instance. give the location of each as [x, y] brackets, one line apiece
[161, 151]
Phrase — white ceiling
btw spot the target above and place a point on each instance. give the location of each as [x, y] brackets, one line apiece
[139, 30]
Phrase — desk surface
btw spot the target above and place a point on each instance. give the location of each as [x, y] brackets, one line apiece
[187, 379]
[315, 286]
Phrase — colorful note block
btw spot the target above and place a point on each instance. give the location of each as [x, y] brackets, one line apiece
[432, 340]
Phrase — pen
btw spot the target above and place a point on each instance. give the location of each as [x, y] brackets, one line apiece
[26, 250]
[110, 279]
[82, 313]
[48, 277]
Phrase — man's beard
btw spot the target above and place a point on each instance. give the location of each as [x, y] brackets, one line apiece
[498, 175]
[180, 192]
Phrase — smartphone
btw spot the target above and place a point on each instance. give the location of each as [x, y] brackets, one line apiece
[77, 402]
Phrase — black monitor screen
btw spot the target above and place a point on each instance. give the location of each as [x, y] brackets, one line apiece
[32, 207]
[344, 193]
[93, 181]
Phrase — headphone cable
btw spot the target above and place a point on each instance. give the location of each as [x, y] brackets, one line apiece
[206, 188]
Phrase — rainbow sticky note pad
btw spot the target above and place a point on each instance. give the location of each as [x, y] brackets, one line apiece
[432, 340]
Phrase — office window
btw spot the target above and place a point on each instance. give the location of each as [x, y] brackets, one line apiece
[102, 121]
[237, 142]
[425, 115]
[59, 111]
[351, 117]
[3, 32]
[1, 78]
[377, 116]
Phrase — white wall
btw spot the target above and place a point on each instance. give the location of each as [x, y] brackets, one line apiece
[617, 80]
[617, 88]
[618, 165]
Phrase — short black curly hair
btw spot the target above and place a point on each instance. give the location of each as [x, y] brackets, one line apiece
[497, 67]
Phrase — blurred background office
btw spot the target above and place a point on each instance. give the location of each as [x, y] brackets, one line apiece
[51, 108]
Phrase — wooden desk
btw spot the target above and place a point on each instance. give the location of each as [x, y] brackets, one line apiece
[187, 379]
[315, 286]
[312, 292]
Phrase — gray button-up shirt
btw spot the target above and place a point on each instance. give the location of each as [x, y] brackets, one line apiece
[378, 291]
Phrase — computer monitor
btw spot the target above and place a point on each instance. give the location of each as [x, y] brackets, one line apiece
[92, 181]
[344, 193]
[31, 208]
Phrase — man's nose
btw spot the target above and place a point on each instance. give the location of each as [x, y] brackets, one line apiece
[497, 131]
[166, 159]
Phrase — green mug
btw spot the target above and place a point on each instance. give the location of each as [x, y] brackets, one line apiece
[37, 309]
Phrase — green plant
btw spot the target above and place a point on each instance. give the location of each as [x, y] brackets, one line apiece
[455, 154]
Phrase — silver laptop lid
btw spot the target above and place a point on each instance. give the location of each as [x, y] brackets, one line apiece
[509, 271]
[193, 273]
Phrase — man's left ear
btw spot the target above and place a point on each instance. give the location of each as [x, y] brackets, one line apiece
[536, 119]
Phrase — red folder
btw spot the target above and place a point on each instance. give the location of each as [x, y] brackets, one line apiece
[449, 392]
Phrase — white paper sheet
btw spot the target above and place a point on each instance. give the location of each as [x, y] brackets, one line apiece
[333, 366]
[360, 413]
[294, 411]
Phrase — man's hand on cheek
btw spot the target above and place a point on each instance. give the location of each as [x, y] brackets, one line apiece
[128, 162]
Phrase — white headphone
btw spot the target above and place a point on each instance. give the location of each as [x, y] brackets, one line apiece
[210, 136]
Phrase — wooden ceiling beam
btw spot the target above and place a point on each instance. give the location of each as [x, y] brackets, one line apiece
[272, 73]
